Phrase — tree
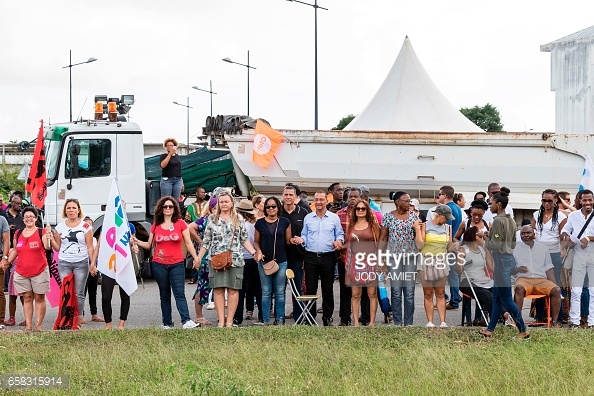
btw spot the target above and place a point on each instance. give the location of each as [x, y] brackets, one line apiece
[487, 117]
[344, 121]
[9, 180]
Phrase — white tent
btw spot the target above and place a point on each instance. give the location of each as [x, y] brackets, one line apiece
[409, 100]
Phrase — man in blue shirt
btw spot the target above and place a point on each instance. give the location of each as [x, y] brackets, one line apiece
[447, 197]
[322, 236]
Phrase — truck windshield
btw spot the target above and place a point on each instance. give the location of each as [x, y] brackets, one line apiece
[52, 155]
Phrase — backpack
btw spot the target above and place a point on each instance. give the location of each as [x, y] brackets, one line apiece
[49, 254]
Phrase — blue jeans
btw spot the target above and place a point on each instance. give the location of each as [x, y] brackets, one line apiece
[171, 277]
[80, 269]
[402, 289]
[278, 281]
[172, 186]
[297, 267]
[502, 295]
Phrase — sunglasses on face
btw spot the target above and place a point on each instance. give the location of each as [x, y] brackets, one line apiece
[168, 206]
[547, 201]
[360, 209]
[270, 207]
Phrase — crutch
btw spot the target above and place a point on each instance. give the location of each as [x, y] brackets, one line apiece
[475, 298]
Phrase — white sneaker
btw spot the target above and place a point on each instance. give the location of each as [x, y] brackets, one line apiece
[210, 306]
[510, 322]
[429, 324]
[165, 327]
[443, 324]
[190, 324]
[258, 323]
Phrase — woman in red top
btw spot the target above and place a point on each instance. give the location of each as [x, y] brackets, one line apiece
[31, 275]
[168, 232]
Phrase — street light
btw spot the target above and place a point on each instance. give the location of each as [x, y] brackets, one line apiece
[70, 65]
[315, 6]
[187, 106]
[210, 92]
[228, 60]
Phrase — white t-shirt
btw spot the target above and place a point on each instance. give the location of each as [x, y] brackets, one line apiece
[74, 246]
[549, 234]
[537, 259]
[489, 216]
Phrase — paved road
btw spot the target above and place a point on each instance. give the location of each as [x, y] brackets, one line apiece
[145, 310]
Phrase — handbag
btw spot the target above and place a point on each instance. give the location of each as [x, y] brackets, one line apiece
[271, 267]
[568, 260]
[222, 261]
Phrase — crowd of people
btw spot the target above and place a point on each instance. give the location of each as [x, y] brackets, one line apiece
[240, 251]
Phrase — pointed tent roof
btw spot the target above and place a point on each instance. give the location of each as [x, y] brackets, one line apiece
[408, 100]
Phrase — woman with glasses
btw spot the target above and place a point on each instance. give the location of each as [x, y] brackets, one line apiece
[31, 274]
[168, 232]
[501, 241]
[271, 236]
[73, 239]
[547, 223]
[363, 236]
[171, 172]
[224, 232]
[398, 235]
[475, 219]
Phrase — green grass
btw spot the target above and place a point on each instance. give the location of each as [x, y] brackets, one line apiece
[304, 360]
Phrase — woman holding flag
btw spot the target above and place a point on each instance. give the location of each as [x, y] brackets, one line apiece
[73, 239]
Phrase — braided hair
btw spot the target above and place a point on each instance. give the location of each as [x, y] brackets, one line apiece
[541, 210]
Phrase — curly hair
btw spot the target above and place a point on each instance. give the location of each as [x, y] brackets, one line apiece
[369, 216]
[159, 217]
[172, 140]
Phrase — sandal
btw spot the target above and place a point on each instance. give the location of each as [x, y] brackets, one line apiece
[203, 321]
[23, 323]
[486, 333]
[10, 322]
[522, 336]
[249, 315]
[97, 318]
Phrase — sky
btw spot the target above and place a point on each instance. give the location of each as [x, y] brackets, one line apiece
[476, 53]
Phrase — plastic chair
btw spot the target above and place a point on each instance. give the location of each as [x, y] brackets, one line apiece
[305, 302]
[547, 307]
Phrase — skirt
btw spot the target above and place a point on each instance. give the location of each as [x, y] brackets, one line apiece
[231, 278]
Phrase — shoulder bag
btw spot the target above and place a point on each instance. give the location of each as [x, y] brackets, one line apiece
[271, 267]
[222, 261]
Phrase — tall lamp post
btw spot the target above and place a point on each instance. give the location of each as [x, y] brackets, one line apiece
[187, 106]
[315, 6]
[70, 65]
[210, 92]
[228, 60]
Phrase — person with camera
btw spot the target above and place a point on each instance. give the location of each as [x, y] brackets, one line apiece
[171, 175]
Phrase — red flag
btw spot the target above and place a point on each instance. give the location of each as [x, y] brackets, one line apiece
[68, 311]
[37, 180]
[266, 142]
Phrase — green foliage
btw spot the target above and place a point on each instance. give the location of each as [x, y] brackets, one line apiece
[9, 181]
[487, 117]
[344, 121]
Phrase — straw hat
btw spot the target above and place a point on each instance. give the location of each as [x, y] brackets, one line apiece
[246, 206]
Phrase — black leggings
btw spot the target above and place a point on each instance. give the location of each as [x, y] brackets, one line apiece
[484, 295]
[107, 285]
[91, 289]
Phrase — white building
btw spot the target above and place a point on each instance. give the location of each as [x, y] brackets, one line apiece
[572, 79]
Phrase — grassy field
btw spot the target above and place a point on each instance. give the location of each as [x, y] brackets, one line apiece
[304, 360]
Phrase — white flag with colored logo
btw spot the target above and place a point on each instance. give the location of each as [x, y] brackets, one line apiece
[587, 182]
[115, 258]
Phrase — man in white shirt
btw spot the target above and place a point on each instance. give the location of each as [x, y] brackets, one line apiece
[583, 252]
[536, 274]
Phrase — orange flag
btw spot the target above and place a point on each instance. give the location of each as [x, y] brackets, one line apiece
[266, 142]
[37, 180]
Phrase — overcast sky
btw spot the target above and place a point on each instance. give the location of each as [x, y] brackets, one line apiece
[476, 52]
